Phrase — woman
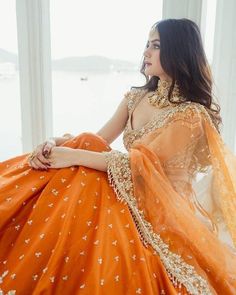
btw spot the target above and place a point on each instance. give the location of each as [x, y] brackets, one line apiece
[154, 229]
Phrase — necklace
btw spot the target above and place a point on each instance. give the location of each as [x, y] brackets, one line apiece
[159, 98]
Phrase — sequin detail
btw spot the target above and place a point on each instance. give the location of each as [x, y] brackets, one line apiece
[133, 96]
[119, 175]
[188, 108]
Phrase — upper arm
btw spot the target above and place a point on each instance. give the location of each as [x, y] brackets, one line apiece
[116, 124]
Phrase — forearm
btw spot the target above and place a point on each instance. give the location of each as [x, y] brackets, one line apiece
[90, 159]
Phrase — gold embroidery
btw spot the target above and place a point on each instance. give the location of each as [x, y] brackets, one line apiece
[119, 175]
[121, 171]
[187, 109]
[132, 96]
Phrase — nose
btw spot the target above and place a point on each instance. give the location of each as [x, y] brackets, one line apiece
[146, 52]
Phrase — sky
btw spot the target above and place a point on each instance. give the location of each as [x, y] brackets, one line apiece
[115, 29]
[111, 28]
[8, 33]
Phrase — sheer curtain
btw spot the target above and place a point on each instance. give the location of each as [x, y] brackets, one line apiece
[10, 109]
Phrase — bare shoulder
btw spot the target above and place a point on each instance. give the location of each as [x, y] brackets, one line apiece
[116, 124]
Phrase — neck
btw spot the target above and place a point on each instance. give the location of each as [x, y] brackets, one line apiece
[160, 97]
[165, 78]
[164, 86]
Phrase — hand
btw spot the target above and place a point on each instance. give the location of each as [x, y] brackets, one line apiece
[62, 157]
[47, 147]
[39, 157]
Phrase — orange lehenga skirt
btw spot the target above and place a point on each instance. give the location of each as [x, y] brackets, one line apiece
[64, 232]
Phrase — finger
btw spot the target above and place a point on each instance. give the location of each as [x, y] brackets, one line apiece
[33, 165]
[48, 146]
[52, 166]
[46, 151]
[30, 160]
[42, 159]
[40, 165]
[38, 148]
[29, 163]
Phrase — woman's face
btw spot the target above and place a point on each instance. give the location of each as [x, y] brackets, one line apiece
[152, 57]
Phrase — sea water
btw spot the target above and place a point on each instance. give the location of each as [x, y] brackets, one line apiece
[82, 102]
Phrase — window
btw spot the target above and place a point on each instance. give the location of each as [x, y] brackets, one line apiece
[209, 27]
[10, 111]
[96, 53]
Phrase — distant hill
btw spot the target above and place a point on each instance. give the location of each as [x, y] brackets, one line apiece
[86, 63]
[92, 63]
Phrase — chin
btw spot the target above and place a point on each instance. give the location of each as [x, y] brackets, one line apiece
[149, 73]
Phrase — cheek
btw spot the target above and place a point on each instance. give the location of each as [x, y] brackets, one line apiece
[158, 63]
[157, 58]
[156, 68]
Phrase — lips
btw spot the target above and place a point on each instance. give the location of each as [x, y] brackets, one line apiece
[147, 63]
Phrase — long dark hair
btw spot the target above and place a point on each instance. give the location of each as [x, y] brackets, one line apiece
[183, 59]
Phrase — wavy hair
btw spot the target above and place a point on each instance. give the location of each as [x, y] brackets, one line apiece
[183, 59]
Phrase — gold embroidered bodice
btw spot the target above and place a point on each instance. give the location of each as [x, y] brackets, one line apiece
[129, 134]
[184, 164]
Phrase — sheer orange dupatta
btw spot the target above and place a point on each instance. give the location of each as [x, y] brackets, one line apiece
[184, 228]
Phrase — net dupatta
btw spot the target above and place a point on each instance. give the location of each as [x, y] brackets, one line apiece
[222, 186]
[191, 227]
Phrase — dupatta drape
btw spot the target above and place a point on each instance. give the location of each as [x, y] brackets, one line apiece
[192, 230]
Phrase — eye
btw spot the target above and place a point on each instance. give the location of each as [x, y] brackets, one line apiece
[156, 46]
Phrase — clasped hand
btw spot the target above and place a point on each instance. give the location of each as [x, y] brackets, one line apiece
[48, 155]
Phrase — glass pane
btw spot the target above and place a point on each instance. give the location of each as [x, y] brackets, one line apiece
[10, 111]
[97, 47]
[210, 28]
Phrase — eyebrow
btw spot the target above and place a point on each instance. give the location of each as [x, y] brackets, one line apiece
[154, 40]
